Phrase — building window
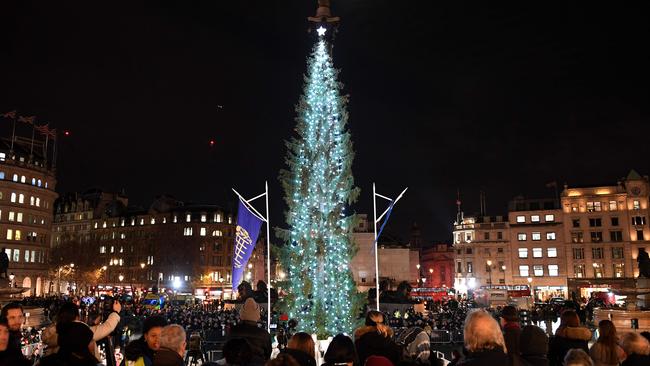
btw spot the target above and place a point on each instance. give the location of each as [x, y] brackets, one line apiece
[12, 216]
[551, 252]
[502, 266]
[459, 267]
[218, 218]
[18, 235]
[577, 237]
[102, 249]
[636, 205]
[538, 270]
[521, 219]
[23, 179]
[15, 178]
[597, 253]
[486, 235]
[596, 236]
[578, 253]
[534, 218]
[187, 231]
[553, 270]
[550, 235]
[536, 236]
[639, 235]
[549, 218]
[2, 174]
[217, 233]
[13, 197]
[575, 222]
[593, 207]
[521, 236]
[598, 270]
[175, 219]
[612, 205]
[203, 231]
[595, 222]
[574, 207]
[579, 270]
[616, 235]
[614, 221]
[619, 270]
[39, 183]
[523, 271]
[188, 217]
[469, 267]
[499, 250]
[204, 217]
[537, 253]
[10, 234]
[16, 255]
[499, 235]
[636, 220]
[523, 253]
[19, 217]
[617, 252]
[468, 251]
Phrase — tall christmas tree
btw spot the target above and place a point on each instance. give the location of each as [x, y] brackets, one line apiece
[319, 187]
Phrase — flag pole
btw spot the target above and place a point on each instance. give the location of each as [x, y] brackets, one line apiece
[268, 259]
[13, 135]
[374, 203]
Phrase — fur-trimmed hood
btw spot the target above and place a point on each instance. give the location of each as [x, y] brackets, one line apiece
[360, 332]
[579, 333]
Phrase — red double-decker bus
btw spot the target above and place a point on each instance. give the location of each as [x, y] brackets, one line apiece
[432, 293]
[513, 291]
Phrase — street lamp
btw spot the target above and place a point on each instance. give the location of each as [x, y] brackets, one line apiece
[419, 274]
[489, 263]
[11, 279]
[530, 281]
[423, 281]
[503, 269]
[121, 278]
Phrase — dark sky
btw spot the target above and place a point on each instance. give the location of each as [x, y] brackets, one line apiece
[443, 95]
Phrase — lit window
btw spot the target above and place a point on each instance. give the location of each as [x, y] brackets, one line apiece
[523, 271]
[122, 222]
[619, 270]
[217, 233]
[133, 221]
[39, 183]
[122, 236]
[204, 217]
[553, 270]
[550, 235]
[33, 181]
[38, 202]
[33, 256]
[534, 218]
[612, 205]
[523, 253]
[112, 249]
[218, 218]
[104, 225]
[26, 256]
[19, 217]
[521, 219]
[164, 220]
[31, 200]
[203, 231]
[549, 218]
[141, 221]
[12, 216]
[13, 197]
[15, 178]
[45, 184]
[153, 220]
[551, 252]
[537, 253]
[538, 270]
[230, 219]
[188, 217]
[536, 236]
[21, 198]
[187, 231]
[2, 175]
[3, 156]
[23, 179]
[102, 249]
[10, 234]
[18, 235]
[636, 205]
[175, 220]
[521, 236]
[95, 225]
[16, 255]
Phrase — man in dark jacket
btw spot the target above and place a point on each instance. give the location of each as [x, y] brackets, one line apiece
[258, 338]
[533, 346]
[511, 333]
[12, 313]
[172, 346]
[145, 346]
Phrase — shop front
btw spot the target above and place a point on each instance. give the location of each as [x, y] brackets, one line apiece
[586, 288]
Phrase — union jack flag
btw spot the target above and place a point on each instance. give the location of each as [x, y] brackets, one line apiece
[11, 115]
[44, 129]
[28, 120]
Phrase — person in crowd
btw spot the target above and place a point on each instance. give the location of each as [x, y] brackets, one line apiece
[12, 313]
[341, 352]
[237, 352]
[637, 349]
[259, 339]
[533, 346]
[577, 357]
[195, 350]
[606, 351]
[76, 346]
[511, 332]
[456, 357]
[417, 344]
[283, 359]
[302, 348]
[646, 335]
[568, 335]
[9, 357]
[140, 352]
[375, 338]
[172, 346]
[378, 361]
[483, 340]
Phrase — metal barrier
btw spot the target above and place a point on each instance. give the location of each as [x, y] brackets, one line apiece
[440, 336]
[457, 336]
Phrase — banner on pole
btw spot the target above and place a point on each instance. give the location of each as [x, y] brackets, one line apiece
[383, 225]
[248, 229]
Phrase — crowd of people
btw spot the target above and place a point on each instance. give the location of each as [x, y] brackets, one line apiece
[82, 334]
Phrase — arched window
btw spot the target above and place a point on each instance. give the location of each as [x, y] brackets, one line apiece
[33, 181]
[13, 197]
[40, 183]
[23, 179]
[2, 175]
[21, 198]
[38, 202]
[15, 178]
[45, 184]
[31, 200]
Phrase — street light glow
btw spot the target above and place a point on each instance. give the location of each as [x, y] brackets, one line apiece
[177, 283]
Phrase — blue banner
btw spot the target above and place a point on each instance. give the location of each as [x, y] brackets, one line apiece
[248, 229]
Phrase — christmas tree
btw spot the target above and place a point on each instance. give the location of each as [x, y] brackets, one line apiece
[319, 187]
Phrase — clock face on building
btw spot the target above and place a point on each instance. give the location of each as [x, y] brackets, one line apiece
[636, 191]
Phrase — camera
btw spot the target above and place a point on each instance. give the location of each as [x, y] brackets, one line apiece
[107, 302]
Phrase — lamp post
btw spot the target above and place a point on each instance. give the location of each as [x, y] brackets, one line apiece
[503, 269]
[419, 275]
[11, 279]
[489, 263]
[144, 277]
[530, 285]
[221, 284]
[430, 276]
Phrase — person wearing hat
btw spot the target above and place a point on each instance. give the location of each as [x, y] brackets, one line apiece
[533, 346]
[258, 338]
[76, 346]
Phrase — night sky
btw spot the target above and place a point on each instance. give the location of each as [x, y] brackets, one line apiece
[443, 96]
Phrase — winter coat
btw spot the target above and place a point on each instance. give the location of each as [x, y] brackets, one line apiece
[51, 338]
[538, 360]
[636, 359]
[417, 344]
[13, 358]
[71, 359]
[598, 354]
[490, 357]
[167, 357]
[301, 357]
[138, 353]
[369, 342]
[565, 339]
[258, 338]
[511, 333]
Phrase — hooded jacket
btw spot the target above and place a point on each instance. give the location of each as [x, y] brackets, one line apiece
[258, 338]
[369, 342]
[565, 339]
[138, 353]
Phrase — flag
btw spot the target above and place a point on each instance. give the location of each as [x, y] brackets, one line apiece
[247, 231]
[44, 129]
[52, 133]
[390, 209]
[11, 115]
[28, 120]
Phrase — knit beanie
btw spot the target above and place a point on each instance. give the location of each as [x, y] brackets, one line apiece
[74, 336]
[250, 310]
[153, 322]
[533, 341]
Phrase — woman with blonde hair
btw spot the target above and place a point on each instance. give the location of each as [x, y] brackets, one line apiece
[483, 340]
[375, 339]
[302, 348]
[637, 349]
[606, 350]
